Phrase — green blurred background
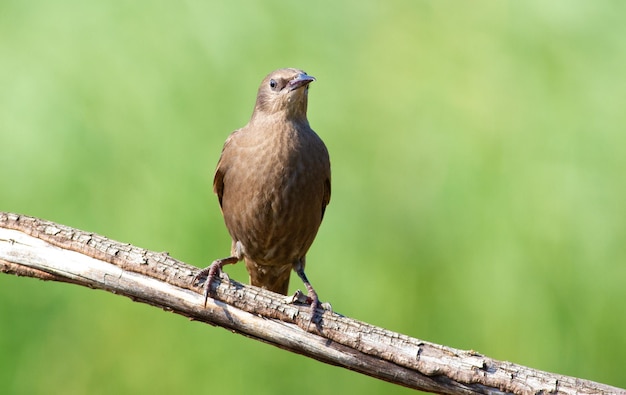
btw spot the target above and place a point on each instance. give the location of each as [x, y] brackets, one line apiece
[478, 153]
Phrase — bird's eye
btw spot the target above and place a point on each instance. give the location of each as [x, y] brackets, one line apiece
[273, 84]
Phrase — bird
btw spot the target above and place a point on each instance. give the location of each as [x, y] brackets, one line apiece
[273, 185]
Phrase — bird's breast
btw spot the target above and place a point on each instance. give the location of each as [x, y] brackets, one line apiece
[273, 194]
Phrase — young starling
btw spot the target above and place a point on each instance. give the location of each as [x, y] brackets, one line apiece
[273, 184]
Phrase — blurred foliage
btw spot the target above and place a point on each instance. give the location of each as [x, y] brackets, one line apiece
[478, 201]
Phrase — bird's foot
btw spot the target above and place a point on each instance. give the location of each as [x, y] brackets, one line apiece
[302, 298]
[210, 273]
[313, 301]
[298, 297]
[312, 297]
[316, 318]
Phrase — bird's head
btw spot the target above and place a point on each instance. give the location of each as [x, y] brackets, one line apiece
[284, 92]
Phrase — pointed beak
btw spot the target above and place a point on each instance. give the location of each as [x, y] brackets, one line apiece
[300, 80]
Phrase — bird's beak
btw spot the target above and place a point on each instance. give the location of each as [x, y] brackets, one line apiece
[300, 80]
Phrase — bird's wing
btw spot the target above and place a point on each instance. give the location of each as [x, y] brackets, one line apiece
[326, 198]
[220, 170]
[218, 183]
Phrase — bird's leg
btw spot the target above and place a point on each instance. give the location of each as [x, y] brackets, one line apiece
[298, 267]
[212, 271]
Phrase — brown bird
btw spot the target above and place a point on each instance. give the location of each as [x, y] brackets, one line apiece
[273, 184]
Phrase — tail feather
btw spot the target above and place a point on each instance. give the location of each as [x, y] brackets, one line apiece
[274, 278]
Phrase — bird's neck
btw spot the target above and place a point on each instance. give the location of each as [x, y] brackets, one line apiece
[290, 109]
[281, 119]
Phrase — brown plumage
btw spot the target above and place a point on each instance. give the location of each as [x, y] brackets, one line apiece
[273, 185]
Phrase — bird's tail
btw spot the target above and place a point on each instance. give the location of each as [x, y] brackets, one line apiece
[271, 277]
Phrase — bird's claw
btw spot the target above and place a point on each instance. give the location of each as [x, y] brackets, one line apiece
[313, 301]
[208, 274]
[203, 278]
[298, 297]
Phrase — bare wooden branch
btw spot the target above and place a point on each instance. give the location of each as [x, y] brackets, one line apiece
[49, 251]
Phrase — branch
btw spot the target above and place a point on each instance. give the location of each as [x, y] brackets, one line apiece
[42, 249]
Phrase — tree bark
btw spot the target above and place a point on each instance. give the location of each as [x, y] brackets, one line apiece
[49, 251]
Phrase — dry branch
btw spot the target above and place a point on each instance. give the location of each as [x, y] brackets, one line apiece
[42, 249]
